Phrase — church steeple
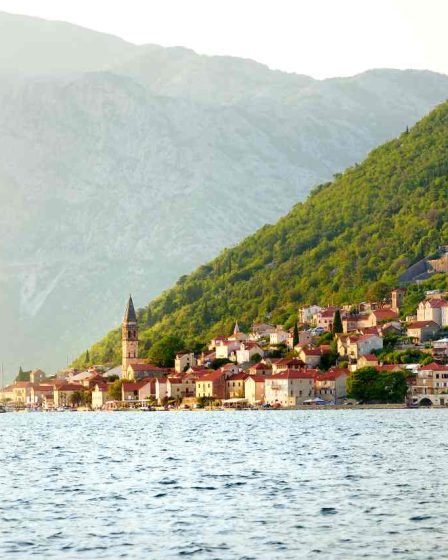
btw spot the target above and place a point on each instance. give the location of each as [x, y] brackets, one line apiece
[129, 314]
[129, 338]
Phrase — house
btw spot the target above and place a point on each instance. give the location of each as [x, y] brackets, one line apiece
[254, 388]
[282, 364]
[310, 356]
[431, 385]
[138, 371]
[380, 316]
[289, 388]
[225, 349]
[181, 387]
[183, 361]
[308, 313]
[261, 369]
[421, 331]
[261, 330]
[39, 393]
[247, 350]
[360, 345]
[130, 390]
[440, 347]
[37, 376]
[325, 317]
[99, 396]
[238, 335]
[235, 387]
[279, 336]
[342, 343]
[354, 322]
[212, 385]
[229, 369]
[368, 360]
[63, 392]
[331, 386]
[433, 309]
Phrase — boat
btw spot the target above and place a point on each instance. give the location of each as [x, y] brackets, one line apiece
[2, 409]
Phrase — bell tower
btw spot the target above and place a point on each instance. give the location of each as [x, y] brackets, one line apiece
[129, 337]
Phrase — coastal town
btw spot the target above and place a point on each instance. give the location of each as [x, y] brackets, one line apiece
[318, 362]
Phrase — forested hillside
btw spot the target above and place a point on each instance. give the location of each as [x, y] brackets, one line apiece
[350, 240]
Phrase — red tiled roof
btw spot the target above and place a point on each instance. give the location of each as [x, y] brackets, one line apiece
[69, 387]
[214, 376]
[261, 366]
[258, 378]
[437, 302]
[238, 377]
[422, 324]
[295, 374]
[434, 367]
[331, 375]
[383, 314]
[312, 351]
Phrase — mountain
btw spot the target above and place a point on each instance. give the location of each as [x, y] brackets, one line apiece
[124, 167]
[351, 239]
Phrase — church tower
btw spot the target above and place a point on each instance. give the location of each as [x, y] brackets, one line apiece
[129, 337]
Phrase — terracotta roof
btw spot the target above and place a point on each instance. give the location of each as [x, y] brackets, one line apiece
[312, 351]
[370, 357]
[422, 324]
[434, 367]
[257, 378]
[295, 374]
[384, 314]
[261, 366]
[331, 375]
[237, 377]
[214, 376]
[436, 302]
[68, 387]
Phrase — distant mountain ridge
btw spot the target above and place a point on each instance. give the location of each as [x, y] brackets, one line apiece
[124, 167]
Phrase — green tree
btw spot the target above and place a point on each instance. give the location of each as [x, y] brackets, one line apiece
[295, 336]
[369, 385]
[87, 358]
[337, 323]
[23, 375]
[114, 392]
[163, 352]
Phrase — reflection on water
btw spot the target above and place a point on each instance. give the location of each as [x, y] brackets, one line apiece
[225, 485]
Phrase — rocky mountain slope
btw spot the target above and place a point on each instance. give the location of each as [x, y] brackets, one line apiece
[352, 238]
[123, 167]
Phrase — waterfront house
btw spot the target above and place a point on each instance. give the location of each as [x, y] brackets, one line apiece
[431, 385]
[235, 386]
[289, 388]
[331, 386]
[99, 395]
[254, 388]
[63, 392]
[212, 385]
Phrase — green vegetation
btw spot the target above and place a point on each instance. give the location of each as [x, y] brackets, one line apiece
[350, 240]
[23, 375]
[369, 385]
[163, 352]
[114, 391]
[337, 323]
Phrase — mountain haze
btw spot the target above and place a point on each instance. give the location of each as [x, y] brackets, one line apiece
[351, 239]
[124, 167]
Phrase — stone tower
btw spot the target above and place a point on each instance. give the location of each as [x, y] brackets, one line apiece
[129, 337]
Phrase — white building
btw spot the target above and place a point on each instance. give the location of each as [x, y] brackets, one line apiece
[289, 388]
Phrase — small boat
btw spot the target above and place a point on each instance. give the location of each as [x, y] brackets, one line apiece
[2, 409]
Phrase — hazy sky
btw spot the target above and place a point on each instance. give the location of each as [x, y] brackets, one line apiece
[321, 38]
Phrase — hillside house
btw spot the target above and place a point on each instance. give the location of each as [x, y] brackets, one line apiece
[433, 309]
[421, 331]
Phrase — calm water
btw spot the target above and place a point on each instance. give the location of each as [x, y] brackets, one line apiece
[228, 485]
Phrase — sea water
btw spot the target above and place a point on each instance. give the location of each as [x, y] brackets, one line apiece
[227, 485]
